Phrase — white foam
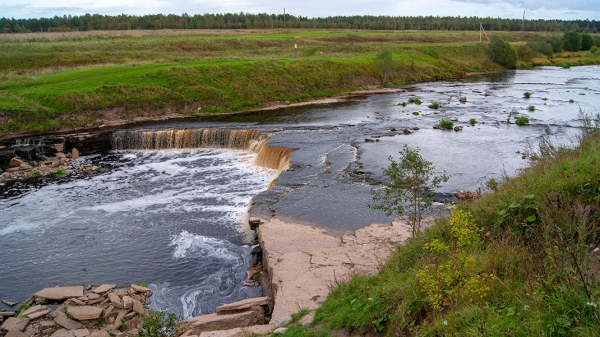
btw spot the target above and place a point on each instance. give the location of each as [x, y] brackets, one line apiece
[187, 245]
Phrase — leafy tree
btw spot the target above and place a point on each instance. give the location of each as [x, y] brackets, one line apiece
[384, 63]
[503, 53]
[572, 41]
[541, 46]
[586, 42]
[410, 177]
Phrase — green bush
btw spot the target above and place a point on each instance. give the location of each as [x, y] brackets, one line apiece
[541, 46]
[556, 43]
[434, 105]
[417, 101]
[503, 53]
[587, 42]
[522, 121]
[416, 113]
[525, 53]
[445, 124]
[473, 121]
[572, 41]
[594, 50]
[531, 108]
[527, 94]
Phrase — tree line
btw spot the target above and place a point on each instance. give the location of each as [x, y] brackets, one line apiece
[243, 20]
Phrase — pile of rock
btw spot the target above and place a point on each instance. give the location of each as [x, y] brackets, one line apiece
[103, 312]
[20, 169]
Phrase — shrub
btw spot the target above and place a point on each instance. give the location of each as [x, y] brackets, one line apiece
[586, 42]
[556, 43]
[434, 105]
[473, 121]
[415, 100]
[445, 124]
[411, 177]
[594, 50]
[525, 53]
[157, 325]
[503, 53]
[542, 46]
[571, 101]
[531, 108]
[522, 120]
[527, 94]
[572, 41]
[416, 113]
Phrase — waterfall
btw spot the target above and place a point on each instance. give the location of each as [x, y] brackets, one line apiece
[249, 140]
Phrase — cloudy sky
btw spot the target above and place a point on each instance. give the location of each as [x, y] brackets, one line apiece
[534, 9]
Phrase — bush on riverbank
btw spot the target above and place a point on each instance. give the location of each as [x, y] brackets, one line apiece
[529, 265]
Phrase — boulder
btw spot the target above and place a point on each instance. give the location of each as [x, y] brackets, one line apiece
[138, 307]
[15, 162]
[9, 303]
[32, 310]
[7, 314]
[214, 322]
[15, 323]
[133, 324]
[67, 323]
[15, 333]
[463, 99]
[242, 305]
[115, 300]
[104, 288]
[74, 154]
[83, 313]
[127, 302]
[60, 293]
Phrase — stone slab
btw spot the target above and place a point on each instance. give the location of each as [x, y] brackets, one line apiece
[214, 322]
[15, 323]
[60, 293]
[67, 323]
[99, 333]
[84, 313]
[243, 305]
[15, 333]
[39, 314]
[63, 333]
[104, 288]
[140, 289]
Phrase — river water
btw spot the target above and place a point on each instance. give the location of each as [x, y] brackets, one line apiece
[174, 219]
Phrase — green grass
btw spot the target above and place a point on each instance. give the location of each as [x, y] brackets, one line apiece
[530, 270]
[522, 121]
[55, 81]
[445, 124]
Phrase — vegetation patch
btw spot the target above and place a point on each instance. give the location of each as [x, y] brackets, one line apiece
[522, 121]
[445, 125]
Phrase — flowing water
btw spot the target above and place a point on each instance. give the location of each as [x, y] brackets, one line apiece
[171, 219]
[180, 230]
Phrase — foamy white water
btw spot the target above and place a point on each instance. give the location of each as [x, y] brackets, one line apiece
[170, 219]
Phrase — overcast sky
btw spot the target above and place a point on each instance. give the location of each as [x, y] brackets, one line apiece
[534, 9]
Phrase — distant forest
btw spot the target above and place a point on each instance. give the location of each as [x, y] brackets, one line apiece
[261, 21]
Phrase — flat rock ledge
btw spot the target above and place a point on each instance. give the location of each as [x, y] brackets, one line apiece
[105, 311]
[303, 263]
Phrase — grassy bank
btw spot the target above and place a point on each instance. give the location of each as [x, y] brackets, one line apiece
[520, 261]
[52, 81]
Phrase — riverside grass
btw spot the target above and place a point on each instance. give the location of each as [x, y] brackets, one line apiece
[522, 260]
[59, 81]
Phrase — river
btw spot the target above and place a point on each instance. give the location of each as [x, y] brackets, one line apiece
[174, 219]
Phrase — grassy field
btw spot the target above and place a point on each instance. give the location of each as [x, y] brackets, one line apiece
[57, 81]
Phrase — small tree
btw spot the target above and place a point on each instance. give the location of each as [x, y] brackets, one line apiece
[572, 41]
[503, 53]
[384, 63]
[411, 176]
[587, 42]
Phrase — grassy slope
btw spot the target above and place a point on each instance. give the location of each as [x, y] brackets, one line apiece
[54, 81]
[530, 268]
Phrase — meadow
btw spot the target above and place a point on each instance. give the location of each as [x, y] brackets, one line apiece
[70, 80]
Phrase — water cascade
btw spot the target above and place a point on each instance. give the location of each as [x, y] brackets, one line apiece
[249, 140]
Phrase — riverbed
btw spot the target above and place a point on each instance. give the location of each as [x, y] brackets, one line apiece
[175, 219]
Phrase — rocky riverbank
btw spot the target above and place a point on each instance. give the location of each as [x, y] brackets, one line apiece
[76, 311]
[303, 263]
